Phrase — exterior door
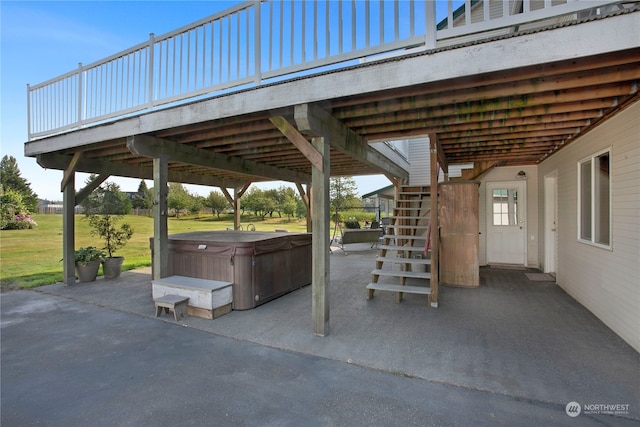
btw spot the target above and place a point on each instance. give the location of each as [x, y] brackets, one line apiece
[506, 223]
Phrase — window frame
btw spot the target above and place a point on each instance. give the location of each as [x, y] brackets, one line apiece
[592, 160]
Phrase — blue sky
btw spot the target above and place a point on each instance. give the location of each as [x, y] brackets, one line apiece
[40, 40]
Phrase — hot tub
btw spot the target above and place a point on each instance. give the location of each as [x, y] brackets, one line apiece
[261, 265]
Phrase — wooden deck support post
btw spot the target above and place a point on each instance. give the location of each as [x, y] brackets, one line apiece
[235, 202]
[70, 200]
[318, 155]
[437, 158]
[237, 209]
[320, 245]
[160, 213]
[68, 227]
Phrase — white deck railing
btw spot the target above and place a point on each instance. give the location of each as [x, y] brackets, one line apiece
[257, 41]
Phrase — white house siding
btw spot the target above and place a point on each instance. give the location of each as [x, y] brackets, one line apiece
[496, 9]
[509, 174]
[605, 281]
[420, 166]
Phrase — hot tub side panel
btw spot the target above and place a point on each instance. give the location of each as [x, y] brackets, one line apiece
[199, 259]
[277, 273]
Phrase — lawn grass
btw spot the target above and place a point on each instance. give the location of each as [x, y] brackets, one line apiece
[30, 258]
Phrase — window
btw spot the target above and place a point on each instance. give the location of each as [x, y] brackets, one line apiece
[594, 199]
[505, 206]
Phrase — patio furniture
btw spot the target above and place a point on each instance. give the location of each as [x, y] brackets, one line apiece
[360, 235]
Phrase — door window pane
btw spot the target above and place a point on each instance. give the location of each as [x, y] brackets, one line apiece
[505, 206]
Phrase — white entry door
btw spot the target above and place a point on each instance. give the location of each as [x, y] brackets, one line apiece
[506, 223]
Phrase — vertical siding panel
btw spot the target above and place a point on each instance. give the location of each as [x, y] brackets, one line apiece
[607, 282]
[420, 167]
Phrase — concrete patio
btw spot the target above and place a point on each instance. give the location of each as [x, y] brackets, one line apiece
[524, 340]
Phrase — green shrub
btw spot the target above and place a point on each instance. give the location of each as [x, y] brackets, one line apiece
[352, 223]
[87, 254]
[13, 213]
[20, 222]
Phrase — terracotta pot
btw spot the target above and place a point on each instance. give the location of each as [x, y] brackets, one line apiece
[112, 267]
[87, 272]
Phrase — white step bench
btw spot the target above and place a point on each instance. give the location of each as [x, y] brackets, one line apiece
[208, 299]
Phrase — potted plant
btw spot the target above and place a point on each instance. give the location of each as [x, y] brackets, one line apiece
[104, 207]
[104, 226]
[88, 262]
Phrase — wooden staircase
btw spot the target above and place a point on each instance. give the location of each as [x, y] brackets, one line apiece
[401, 254]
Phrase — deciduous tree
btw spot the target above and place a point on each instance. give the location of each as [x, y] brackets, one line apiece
[178, 198]
[216, 202]
[343, 193]
[106, 199]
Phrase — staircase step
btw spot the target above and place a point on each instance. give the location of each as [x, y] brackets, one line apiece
[400, 288]
[400, 208]
[401, 248]
[412, 201]
[414, 193]
[410, 204]
[412, 227]
[403, 237]
[399, 273]
[413, 187]
[413, 261]
[409, 217]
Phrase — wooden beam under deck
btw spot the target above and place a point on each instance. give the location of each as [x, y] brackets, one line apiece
[149, 146]
[59, 162]
[312, 119]
[297, 139]
[88, 189]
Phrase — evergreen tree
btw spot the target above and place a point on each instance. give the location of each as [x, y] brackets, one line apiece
[144, 198]
[10, 179]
